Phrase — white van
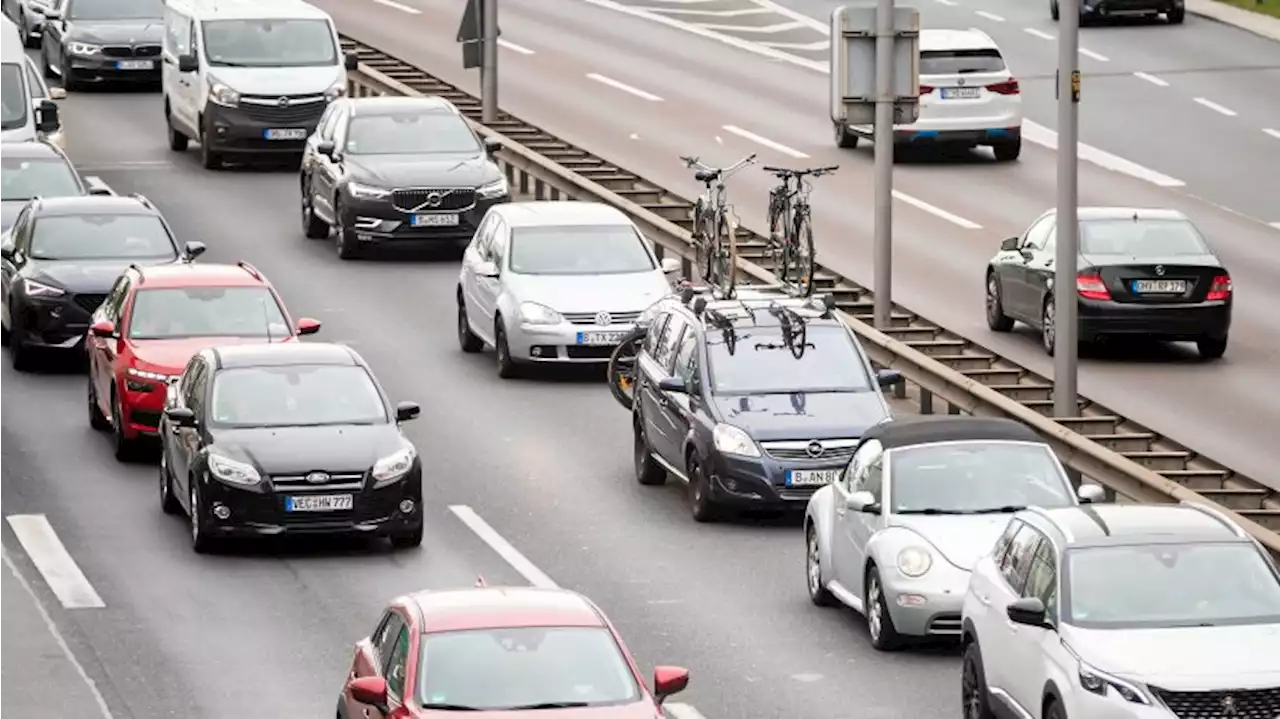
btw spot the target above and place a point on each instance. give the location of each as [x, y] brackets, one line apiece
[248, 78]
[24, 116]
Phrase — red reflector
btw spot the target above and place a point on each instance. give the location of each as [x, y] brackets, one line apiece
[1008, 87]
[926, 89]
[1220, 289]
[1091, 287]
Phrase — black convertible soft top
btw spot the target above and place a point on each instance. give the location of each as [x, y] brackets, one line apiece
[927, 430]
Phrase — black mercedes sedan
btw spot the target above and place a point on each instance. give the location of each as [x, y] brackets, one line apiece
[393, 170]
[94, 41]
[288, 438]
[1141, 273]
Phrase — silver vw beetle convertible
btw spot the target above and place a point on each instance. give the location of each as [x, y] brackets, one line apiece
[919, 502]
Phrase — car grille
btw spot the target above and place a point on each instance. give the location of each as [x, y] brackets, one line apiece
[614, 318]
[301, 111]
[588, 352]
[445, 199]
[131, 51]
[945, 625]
[336, 480]
[89, 302]
[145, 417]
[832, 449]
[1232, 703]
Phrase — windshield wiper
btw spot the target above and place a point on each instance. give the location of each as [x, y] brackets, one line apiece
[549, 705]
[450, 707]
[1006, 509]
[930, 510]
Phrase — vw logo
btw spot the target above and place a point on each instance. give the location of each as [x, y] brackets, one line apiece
[283, 102]
[317, 477]
[1160, 270]
[815, 449]
[1229, 707]
[604, 318]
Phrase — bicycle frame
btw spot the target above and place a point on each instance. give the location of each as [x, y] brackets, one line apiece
[713, 219]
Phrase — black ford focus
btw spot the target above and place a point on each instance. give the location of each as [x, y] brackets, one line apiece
[288, 438]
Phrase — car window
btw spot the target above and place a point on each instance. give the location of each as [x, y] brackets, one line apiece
[115, 10]
[35, 83]
[1017, 560]
[269, 42]
[667, 344]
[329, 120]
[1039, 233]
[394, 669]
[187, 380]
[762, 363]
[1042, 578]
[952, 62]
[977, 477]
[171, 313]
[1005, 540]
[873, 477]
[655, 333]
[579, 250]
[866, 452]
[177, 34]
[498, 243]
[1143, 238]
[13, 100]
[297, 396]
[94, 236]
[686, 362]
[26, 177]
[113, 306]
[195, 392]
[414, 132]
[383, 637]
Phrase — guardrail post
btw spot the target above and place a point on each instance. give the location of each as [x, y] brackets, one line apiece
[926, 401]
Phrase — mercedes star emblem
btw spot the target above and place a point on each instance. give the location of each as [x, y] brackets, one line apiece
[317, 477]
[815, 449]
[1160, 270]
[604, 318]
[283, 102]
[1229, 707]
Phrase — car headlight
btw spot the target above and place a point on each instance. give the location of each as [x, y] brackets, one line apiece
[393, 466]
[1099, 683]
[734, 440]
[366, 192]
[233, 471]
[497, 188]
[914, 561]
[338, 90]
[83, 48]
[40, 289]
[221, 94]
[532, 313]
[138, 380]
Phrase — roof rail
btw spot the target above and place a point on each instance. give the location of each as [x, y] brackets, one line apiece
[251, 270]
[137, 268]
[143, 199]
[1218, 515]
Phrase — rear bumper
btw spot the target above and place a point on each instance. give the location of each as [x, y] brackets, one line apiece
[1174, 323]
[993, 136]
[1130, 7]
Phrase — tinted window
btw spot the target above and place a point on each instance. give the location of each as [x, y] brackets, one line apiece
[296, 396]
[588, 250]
[655, 333]
[1042, 578]
[950, 62]
[1017, 561]
[207, 312]
[14, 101]
[686, 364]
[410, 133]
[499, 669]
[383, 636]
[394, 671]
[761, 363]
[667, 344]
[23, 179]
[1143, 238]
[976, 477]
[35, 87]
[1170, 585]
[88, 237]
[269, 43]
[116, 9]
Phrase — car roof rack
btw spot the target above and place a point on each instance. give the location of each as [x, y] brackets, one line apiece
[756, 298]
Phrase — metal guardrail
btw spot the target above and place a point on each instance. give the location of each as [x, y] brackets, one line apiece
[1130, 461]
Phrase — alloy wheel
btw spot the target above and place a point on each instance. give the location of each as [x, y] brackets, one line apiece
[993, 298]
[875, 618]
[814, 564]
[1049, 334]
[970, 694]
[195, 515]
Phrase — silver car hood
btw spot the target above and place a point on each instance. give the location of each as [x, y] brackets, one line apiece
[961, 539]
[631, 292]
[1184, 658]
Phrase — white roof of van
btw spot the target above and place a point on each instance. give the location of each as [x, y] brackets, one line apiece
[250, 9]
[939, 39]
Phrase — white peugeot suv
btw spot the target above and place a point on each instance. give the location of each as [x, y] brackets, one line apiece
[1123, 612]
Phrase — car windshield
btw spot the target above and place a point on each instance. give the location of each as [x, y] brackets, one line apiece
[26, 177]
[207, 312]
[1141, 238]
[296, 396]
[101, 237]
[1170, 585]
[269, 43]
[411, 133]
[15, 103]
[579, 250]
[115, 9]
[952, 62]
[524, 667]
[761, 363]
[975, 477]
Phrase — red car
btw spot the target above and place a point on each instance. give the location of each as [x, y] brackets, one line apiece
[510, 651]
[152, 322]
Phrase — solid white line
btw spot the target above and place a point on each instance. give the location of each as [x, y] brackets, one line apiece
[497, 543]
[1273, 133]
[1151, 79]
[764, 141]
[98, 699]
[397, 6]
[514, 47]
[988, 15]
[815, 45]
[624, 87]
[1096, 56]
[682, 711]
[937, 211]
[1038, 33]
[1216, 107]
[711, 13]
[59, 570]
[1043, 136]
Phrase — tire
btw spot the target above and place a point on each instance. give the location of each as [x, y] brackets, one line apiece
[627, 351]
[347, 250]
[1177, 16]
[201, 542]
[975, 699]
[467, 340]
[1008, 151]
[508, 368]
[409, 539]
[45, 68]
[20, 355]
[178, 142]
[1053, 11]
[1211, 348]
[648, 472]
[125, 449]
[884, 636]
[801, 265]
[96, 419]
[845, 139]
[209, 159]
[701, 506]
[313, 228]
[168, 503]
[704, 251]
[69, 83]
[818, 593]
[996, 318]
[1048, 331]
[726, 259]
[1053, 710]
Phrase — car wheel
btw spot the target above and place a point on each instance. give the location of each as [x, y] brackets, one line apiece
[168, 502]
[1211, 348]
[648, 471]
[125, 448]
[69, 82]
[1054, 710]
[209, 159]
[177, 141]
[409, 539]
[996, 318]
[313, 227]
[1048, 328]
[342, 240]
[19, 352]
[96, 418]
[1177, 16]
[1008, 151]
[974, 696]
[701, 505]
[201, 543]
[1053, 11]
[845, 139]
[884, 636]
[508, 368]
[818, 593]
[467, 340]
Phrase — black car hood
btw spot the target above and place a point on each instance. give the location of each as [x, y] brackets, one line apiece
[79, 276]
[827, 415]
[148, 31]
[426, 170]
[298, 450]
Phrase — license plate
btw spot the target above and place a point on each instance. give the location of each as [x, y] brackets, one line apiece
[961, 93]
[435, 221]
[135, 64]
[811, 477]
[292, 133]
[600, 338]
[319, 503]
[1159, 287]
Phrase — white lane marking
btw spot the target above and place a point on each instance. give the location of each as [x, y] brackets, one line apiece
[936, 211]
[398, 6]
[98, 699]
[617, 85]
[988, 15]
[1271, 132]
[1275, 225]
[1038, 33]
[682, 711]
[125, 166]
[497, 543]
[761, 30]
[1043, 136]
[1151, 79]
[1216, 107]
[514, 47]
[815, 45]
[821, 26]
[747, 134]
[59, 570]
[948, 3]
[1096, 56]
[711, 13]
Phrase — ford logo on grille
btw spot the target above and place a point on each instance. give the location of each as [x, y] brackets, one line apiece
[604, 318]
[317, 477]
[283, 102]
[815, 449]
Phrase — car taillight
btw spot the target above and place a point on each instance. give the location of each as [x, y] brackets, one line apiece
[926, 89]
[1220, 289]
[1008, 87]
[1091, 287]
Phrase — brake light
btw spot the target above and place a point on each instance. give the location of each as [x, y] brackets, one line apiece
[1091, 287]
[926, 89]
[1220, 289]
[1008, 87]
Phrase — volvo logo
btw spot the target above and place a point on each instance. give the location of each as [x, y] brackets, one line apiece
[434, 199]
[1229, 708]
[283, 102]
[1160, 270]
[317, 477]
[604, 318]
[815, 449]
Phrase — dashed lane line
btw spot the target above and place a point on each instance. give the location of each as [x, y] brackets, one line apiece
[988, 15]
[1095, 55]
[936, 211]
[54, 562]
[1271, 132]
[1151, 79]
[399, 6]
[1037, 33]
[765, 142]
[740, 12]
[619, 85]
[514, 47]
[1215, 107]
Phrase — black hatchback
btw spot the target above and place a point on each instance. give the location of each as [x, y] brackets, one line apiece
[288, 438]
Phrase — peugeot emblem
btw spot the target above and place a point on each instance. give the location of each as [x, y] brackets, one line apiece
[283, 102]
[604, 318]
[1229, 707]
[434, 199]
[317, 477]
[1160, 270]
[815, 449]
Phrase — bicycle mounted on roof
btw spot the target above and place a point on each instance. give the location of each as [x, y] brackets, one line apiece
[790, 242]
[715, 228]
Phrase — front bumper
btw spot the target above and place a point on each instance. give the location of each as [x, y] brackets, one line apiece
[927, 606]
[55, 323]
[98, 68]
[142, 407]
[761, 482]
[1082, 703]
[1171, 323]
[378, 221]
[243, 129]
[564, 343]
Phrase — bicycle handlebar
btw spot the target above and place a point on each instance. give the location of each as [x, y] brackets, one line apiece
[722, 172]
[783, 172]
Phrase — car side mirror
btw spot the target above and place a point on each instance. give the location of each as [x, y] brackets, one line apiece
[406, 411]
[673, 384]
[103, 328]
[670, 265]
[181, 416]
[492, 145]
[188, 63]
[1028, 611]
[326, 148]
[862, 502]
[307, 326]
[57, 93]
[351, 61]
[1091, 494]
[370, 691]
[1009, 245]
[887, 378]
[47, 116]
[487, 269]
[192, 250]
[668, 681]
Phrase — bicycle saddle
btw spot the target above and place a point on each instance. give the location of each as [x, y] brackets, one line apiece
[706, 175]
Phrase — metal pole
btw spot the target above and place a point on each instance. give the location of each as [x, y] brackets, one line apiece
[883, 254]
[1066, 341]
[489, 66]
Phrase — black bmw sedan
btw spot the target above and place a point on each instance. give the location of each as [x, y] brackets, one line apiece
[288, 438]
[94, 41]
[1141, 274]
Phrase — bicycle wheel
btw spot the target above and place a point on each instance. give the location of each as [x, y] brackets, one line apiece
[801, 266]
[777, 242]
[705, 252]
[797, 343]
[622, 367]
[726, 254]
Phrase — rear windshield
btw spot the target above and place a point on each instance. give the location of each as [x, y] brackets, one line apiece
[1141, 238]
[953, 62]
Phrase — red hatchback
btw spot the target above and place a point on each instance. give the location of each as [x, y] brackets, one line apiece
[154, 320]
[512, 651]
